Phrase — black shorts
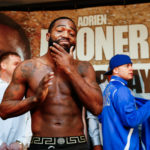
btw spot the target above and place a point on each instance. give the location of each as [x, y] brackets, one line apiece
[59, 143]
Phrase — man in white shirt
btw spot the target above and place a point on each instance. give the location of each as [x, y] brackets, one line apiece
[94, 126]
[15, 133]
[94, 131]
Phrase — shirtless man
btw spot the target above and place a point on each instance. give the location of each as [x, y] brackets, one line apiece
[57, 87]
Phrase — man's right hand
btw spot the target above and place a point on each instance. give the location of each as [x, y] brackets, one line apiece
[97, 147]
[42, 89]
[3, 146]
[15, 146]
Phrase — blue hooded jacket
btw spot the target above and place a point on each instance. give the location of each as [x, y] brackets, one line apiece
[120, 116]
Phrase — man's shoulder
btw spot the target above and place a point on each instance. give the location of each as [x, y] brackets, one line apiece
[120, 88]
[34, 59]
[84, 67]
[117, 84]
[25, 68]
[80, 63]
[116, 87]
[29, 62]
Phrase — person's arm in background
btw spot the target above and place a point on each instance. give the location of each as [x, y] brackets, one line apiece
[2, 145]
[24, 134]
[94, 131]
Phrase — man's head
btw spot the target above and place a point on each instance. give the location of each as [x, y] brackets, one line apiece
[8, 63]
[121, 65]
[63, 32]
[13, 37]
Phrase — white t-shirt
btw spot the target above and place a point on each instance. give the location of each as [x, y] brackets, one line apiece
[16, 128]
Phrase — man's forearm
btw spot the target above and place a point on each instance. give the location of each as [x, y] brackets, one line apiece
[12, 108]
[90, 95]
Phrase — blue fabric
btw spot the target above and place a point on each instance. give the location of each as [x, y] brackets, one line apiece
[145, 125]
[100, 118]
[120, 117]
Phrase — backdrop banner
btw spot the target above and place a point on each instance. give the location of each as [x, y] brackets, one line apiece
[102, 33]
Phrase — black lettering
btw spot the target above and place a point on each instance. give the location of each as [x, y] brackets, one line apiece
[146, 80]
[98, 76]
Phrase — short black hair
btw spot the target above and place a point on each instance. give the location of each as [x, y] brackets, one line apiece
[53, 22]
[7, 21]
[5, 55]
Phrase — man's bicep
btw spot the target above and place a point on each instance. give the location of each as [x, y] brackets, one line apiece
[15, 91]
[16, 88]
[90, 78]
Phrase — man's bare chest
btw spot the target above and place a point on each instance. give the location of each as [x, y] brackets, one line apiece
[60, 82]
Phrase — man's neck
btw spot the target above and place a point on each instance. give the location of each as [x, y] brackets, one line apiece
[5, 77]
[49, 59]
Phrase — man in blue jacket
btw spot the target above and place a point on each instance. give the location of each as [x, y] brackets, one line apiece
[120, 116]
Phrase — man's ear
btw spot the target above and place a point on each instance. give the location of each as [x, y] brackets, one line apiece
[115, 70]
[3, 65]
[47, 36]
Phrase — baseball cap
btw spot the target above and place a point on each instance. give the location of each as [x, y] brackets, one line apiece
[118, 60]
